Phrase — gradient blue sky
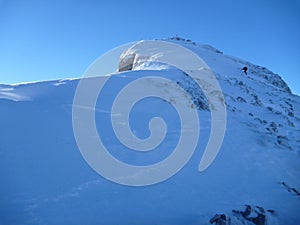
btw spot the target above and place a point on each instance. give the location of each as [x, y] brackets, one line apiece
[42, 40]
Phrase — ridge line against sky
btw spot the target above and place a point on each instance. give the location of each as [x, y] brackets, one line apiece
[45, 40]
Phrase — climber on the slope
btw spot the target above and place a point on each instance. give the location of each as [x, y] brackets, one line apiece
[245, 68]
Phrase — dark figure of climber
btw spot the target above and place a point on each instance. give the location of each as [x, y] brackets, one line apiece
[245, 68]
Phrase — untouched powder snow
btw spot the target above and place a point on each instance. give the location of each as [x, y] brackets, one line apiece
[254, 179]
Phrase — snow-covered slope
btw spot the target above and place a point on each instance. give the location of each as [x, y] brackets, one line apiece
[254, 179]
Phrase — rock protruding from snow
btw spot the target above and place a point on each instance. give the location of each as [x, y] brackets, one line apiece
[220, 219]
[132, 60]
[126, 61]
[250, 215]
[270, 77]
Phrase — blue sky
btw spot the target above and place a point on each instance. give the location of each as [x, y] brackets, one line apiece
[42, 40]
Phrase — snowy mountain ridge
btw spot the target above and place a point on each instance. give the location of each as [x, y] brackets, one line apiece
[258, 88]
[254, 179]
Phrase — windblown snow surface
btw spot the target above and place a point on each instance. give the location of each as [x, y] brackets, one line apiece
[254, 179]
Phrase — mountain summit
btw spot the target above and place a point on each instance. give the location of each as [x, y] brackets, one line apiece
[253, 180]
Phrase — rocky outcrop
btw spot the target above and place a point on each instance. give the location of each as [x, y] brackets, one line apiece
[220, 219]
[256, 215]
